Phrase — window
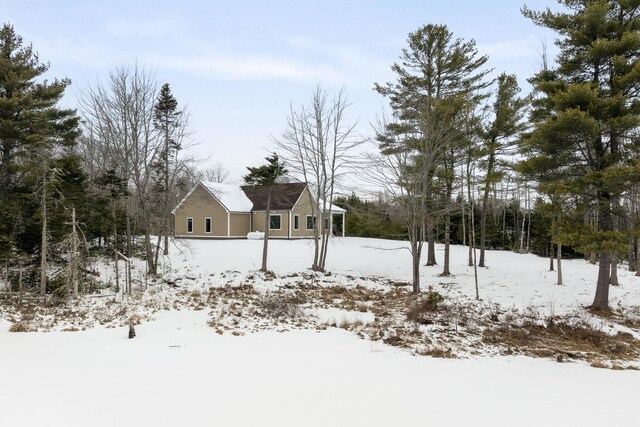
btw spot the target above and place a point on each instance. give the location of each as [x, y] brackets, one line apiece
[296, 222]
[207, 225]
[326, 223]
[311, 222]
[189, 225]
[275, 222]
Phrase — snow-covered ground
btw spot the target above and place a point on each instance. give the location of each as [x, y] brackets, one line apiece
[179, 372]
[511, 279]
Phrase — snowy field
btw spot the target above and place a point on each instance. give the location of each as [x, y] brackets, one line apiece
[179, 372]
[511, 279]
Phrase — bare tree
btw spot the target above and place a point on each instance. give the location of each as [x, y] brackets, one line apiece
[216, 173]
[318, 146]
[118, 117]
[404, 169]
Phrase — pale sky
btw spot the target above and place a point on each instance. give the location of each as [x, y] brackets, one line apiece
[237, 65]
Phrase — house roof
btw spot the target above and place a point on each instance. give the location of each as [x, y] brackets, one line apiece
[231, 196]
[332, 208]
[283, 197]
[254, 198]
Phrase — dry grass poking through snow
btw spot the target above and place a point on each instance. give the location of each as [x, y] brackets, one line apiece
[372, 308]
[427, 324]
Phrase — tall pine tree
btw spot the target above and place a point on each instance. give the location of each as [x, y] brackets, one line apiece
[438, 79]
[32, 129]
[167, 121]
[508, 111]
[586, 114]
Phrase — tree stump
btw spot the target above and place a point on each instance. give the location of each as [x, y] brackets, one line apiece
[132, 330]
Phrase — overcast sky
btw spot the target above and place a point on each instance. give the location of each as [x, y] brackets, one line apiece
[237, 65]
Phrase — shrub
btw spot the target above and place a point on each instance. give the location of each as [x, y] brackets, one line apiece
[279, 308]
[431, 302]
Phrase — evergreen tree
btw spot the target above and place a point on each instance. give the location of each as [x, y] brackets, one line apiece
[508, 113]
[167, 121]
[439, 79]
[32, 128]
[586, 114]
[266, 176]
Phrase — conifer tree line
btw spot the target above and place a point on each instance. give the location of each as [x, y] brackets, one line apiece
[456, 140]
[104, 177]
[460, 157]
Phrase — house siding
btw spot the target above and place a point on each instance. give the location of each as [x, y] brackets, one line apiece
[240, 224]
[258, 223]
[303, 208]
[200, 205]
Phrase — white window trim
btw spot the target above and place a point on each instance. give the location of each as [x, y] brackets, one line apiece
[307, 222]
[210, 223]
[296, 216]
[190, 218]
[275, 229]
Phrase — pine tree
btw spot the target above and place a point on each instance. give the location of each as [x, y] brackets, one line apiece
[167, 121]
[32, 128]
[439, 79]
[586, 114]
[508, 113]
[266, 176]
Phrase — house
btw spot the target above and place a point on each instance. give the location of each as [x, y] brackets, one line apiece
[222, 211]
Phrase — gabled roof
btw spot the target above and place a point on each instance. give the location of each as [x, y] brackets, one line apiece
[245, 199]
[231, 196]
[283, 196]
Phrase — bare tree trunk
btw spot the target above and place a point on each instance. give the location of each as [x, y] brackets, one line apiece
[43, 245]
[151, 266]
[601, 300]
[447, 227]
[115, 247]
[560, 264]
[431, 247]
[265, 245]
[605, 223]
[529, 223]
[323, 247]
[20, 294]
[614, 271]
[472, 231]
[483, 214]
[166, 213]
[73, 264]
[416, 249]
[473, 246]
[551, 255]
[524, 216]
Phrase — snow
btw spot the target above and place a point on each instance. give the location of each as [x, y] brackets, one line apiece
[177, 372]
[180, 371]
[231, 196]
[330, 207]
[514, 280]
[335, 316]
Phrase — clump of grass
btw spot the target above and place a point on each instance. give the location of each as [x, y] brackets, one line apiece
[279, 307]
[20, 327]
[437, 351]
[420, 312]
